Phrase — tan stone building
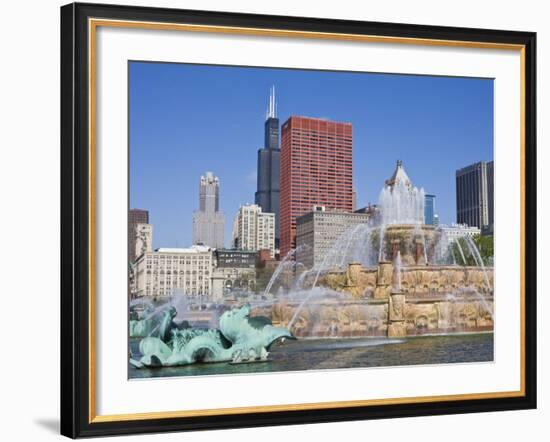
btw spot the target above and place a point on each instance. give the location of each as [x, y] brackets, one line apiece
[235, 271]
[317, 231]
[167, 271]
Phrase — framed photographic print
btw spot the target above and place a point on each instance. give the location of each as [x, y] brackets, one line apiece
[279, 220]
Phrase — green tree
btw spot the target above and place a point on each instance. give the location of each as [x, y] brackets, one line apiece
[462, 255]
[485, 245]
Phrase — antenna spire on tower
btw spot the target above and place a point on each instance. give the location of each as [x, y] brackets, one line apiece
[272, 109]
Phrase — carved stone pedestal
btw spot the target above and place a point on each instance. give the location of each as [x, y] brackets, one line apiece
[384, 280]
[397, 330]
[353, 274]
[396, 315]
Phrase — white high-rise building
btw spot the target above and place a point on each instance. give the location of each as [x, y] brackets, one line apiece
[254, 229]
[208, 221]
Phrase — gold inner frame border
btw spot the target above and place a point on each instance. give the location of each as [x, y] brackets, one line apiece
[93, 24]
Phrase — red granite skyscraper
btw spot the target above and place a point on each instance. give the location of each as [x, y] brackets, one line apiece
[316, 169]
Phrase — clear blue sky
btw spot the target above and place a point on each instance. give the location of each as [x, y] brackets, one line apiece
[187, 119]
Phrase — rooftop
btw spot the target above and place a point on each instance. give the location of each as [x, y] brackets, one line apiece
[306, 119]
[399, 176]
[455, 226]
[192, 249]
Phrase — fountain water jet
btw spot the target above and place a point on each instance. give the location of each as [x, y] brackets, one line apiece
[291, 253]
[360, 266]
[477, 256]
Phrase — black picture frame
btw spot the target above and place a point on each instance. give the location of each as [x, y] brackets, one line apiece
[75, 222]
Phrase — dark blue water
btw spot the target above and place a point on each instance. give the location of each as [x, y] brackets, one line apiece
[323, 354]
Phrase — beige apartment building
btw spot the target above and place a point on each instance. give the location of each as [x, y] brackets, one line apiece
[167, 271]
[318, 230]
[254, 230]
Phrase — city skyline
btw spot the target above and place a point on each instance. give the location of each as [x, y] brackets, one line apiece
[426, 121]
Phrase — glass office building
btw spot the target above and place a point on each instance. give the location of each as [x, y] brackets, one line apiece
[429, 209]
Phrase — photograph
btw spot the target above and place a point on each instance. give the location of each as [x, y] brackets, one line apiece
[284, 219]
[276, 219]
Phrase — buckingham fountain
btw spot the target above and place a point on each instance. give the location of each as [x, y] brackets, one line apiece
[391, 277]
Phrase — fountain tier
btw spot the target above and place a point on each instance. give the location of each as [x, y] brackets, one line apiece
[391, 277]
[364, 302]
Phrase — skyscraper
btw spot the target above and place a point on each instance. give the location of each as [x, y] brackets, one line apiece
[474, 194]
[208, 221]
[135, 217]
[316, 169]
[429, 209]
[267, 193]
[490, 193]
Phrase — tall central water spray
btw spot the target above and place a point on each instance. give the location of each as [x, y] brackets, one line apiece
[341, 294]
[400, 202]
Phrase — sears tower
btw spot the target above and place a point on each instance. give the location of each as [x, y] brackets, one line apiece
[267, 193]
